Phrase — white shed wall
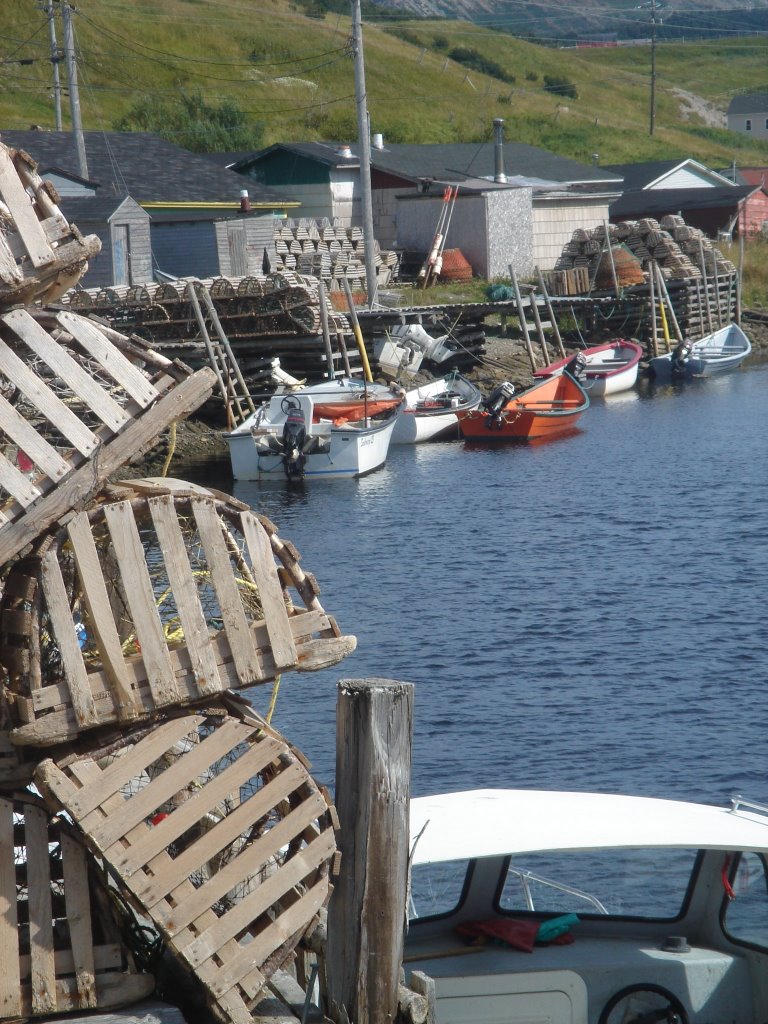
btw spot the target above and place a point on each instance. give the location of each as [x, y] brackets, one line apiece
[555, 221]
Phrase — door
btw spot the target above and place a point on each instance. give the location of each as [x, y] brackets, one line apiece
[121, 254]
[238, 261]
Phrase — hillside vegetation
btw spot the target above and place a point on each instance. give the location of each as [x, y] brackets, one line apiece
[286, 76]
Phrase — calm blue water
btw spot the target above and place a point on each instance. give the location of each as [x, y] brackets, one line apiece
[587, 613]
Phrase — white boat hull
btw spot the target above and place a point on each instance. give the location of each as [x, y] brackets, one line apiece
[431, 410]
[351, 450]
[610, 368]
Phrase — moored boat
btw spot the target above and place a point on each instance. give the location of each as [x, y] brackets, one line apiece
[285, 438]
[719, 352]
[607, 368]
[551, 406]
[350, 397]
[589, 908]
[431, 411]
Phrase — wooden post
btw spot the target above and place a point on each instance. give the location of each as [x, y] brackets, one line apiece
[664, 293]
[652, 295]
[551, 314]
[539, 328]
[716, 277]
[610, 257]
[521, 316]
[224, 386]
[330, 374]
[705, 283]
[367, 912]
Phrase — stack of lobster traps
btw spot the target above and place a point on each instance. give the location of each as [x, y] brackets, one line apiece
[148, 814]
[266, 316]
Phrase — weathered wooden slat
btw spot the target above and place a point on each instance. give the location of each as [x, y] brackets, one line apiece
[270, 591]
[43, 972]
[128, 550]
[154, 887]
[109, 781]
[22, 433]
[10, 980]
[261, 899]
[101, 619]
[196, 636]
[109, 358]
[10, 272]
[49, 404]
[105, 957]
[16, 484]
[239, 635]
[71, 656]
[64, 366]
[174, 779]
[79, 919]
[86, 479]
[27, 224]
[60, 724]
[297, 916]
[250, 861]
[115, 989]
[173, 915]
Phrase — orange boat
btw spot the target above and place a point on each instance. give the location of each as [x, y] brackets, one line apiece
[547, 408]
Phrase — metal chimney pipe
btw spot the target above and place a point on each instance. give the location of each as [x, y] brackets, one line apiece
[498, 150]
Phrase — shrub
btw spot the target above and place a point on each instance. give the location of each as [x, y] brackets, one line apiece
[192, 123]
[477, 62]
[560, 86]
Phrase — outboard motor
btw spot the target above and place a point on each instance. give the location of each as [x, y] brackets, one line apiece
[680, 356]
[577, 368]
[495, 403]
[294, 439]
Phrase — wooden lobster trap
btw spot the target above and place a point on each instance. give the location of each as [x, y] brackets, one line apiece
[41, 254]
[60, 944]
[213, 828]
[161, 594]
[77, 401]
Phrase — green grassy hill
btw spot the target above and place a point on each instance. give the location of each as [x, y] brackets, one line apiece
[293, 76]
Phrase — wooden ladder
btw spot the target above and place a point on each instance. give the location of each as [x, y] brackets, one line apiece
[234, 391]
[536, 324]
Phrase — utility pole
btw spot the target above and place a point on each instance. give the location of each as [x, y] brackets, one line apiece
[50, 12]
[74, 94]
[364, 144]
[654, 7]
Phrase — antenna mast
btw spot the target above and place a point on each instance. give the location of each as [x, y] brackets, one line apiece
[74, 94]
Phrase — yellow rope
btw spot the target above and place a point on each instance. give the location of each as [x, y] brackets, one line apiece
[171, 449]
[273, 699]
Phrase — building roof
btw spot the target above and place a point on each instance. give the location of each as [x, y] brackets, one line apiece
[649, 172]
[450, 161]
[749, 103]
[138, 164]
[658, 202]
[91, 209]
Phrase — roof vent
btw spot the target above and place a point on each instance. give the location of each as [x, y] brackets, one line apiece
[378, 140]
[344, 151]
[498, 151]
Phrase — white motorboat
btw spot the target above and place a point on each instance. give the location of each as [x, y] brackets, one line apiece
[580, 908]
[431, 410]
[724, 350]
[607, 369]
[285, 438]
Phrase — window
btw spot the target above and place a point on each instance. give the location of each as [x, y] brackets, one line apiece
[746, 915]
[622, 883]
[748, 125]
[436, 889]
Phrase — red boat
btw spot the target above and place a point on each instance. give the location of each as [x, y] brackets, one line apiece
[547, 408]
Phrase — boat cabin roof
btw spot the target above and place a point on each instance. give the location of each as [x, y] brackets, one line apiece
[499, 822]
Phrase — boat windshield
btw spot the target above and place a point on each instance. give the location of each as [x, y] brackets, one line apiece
[644, 883]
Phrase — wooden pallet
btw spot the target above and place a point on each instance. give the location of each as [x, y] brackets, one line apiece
[214, 829]
[16, 769]
[41, 254]
[161, 594]
[60, 945]
[77, 401]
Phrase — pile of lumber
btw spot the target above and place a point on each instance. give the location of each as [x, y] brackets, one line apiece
[329, 250]
[146, 810]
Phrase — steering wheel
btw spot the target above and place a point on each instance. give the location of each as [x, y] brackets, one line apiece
[289, 402]
[654, 1005]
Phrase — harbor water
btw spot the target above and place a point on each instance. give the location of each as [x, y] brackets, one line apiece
[587, 613]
